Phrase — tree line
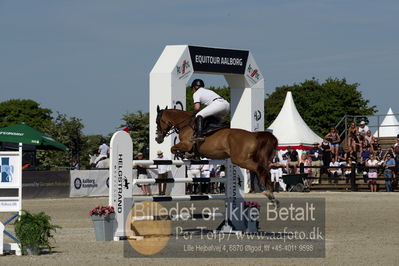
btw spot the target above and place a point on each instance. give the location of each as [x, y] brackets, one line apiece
[321, 105]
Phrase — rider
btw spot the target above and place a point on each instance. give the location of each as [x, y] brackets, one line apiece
[215, 105]
[103, 151]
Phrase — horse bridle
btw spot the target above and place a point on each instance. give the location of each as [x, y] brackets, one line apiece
[173, 128]
[159, 129]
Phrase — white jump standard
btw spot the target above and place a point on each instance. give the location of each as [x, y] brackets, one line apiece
[121, 184]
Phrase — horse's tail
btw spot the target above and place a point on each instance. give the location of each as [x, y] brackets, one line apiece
[266, 148]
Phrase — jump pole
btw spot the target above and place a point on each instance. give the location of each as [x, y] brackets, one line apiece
[121, 186]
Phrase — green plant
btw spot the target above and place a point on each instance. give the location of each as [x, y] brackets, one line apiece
[34, 231]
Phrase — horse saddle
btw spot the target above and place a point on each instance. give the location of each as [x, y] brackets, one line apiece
[212, 124]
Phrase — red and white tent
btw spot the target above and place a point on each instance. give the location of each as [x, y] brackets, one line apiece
[389, 126]
[291, 130]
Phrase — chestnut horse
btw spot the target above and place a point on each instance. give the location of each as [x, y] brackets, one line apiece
[249, 150]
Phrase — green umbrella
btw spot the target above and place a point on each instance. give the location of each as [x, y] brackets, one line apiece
[27, 135]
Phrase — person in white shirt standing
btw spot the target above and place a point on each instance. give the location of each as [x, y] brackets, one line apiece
[162, 173]
[215, 106]
[205, 173]
[103, 151]
[372, 163]
[193, 171]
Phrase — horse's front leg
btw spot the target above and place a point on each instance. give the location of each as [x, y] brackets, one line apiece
[268, 188]
[184, 146]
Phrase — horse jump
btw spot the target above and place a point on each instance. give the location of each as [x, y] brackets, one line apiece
[121, 185]
[249, 150]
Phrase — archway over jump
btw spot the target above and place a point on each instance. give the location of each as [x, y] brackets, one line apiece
[175, 66]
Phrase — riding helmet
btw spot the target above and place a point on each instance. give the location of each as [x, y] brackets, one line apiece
[197, 82]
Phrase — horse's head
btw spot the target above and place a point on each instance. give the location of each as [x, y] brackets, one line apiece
[163, 125]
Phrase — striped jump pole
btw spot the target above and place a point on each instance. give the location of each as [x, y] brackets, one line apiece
[177, 162]
[183, 216]
[152, 181]
[121, 185]
[179, 198]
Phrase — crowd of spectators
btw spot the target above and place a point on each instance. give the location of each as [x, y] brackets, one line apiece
[205, 171]
[362, 150]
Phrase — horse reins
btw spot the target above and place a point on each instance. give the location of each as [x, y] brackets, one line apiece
[173, 128]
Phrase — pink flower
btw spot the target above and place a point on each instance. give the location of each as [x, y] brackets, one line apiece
[102, 210]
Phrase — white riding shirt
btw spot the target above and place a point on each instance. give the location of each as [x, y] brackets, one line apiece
[204, 96]
[215, 105]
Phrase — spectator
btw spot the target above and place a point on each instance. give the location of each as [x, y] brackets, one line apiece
[396, 158]
[379, 154]
[162, 172]
[205, 173]
[375, 143]
[326, 152]
[369, 140]
[305, 161]
[333, 171]
[372, 164]
[75, 163]
[292, 159]
[351, 154]
[353, 139]
[103, 151]
[396, 153]
[215, 173]
[334, 139]
[342, 154]
[274, 172]
[363, 128]
[142, 174]
[222, 173]
[365, 155]
[389, 167]
[396, 143]
[284, 165]
[348, 169]
[193, 171]
[315, 154]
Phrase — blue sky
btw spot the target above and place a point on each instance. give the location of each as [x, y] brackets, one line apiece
[91, 59]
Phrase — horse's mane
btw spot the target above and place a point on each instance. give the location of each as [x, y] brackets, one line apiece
[181, 112]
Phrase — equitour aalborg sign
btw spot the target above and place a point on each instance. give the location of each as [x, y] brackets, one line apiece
[218, 60]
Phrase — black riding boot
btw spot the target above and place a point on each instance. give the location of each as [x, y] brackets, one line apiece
[198, 127]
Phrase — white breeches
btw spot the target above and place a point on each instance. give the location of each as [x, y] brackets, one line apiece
[218, 108]
[194, 173]
[99, 157]
[274, 175]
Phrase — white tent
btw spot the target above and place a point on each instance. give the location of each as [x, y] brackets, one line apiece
[290, 129]
[389, 126]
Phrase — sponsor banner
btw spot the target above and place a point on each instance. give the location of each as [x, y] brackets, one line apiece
[121, 178]
[10, 170]
[11, 177]
[9, 205]
[217, 60]
[184, 67]
[252, 72]
[89, 183]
